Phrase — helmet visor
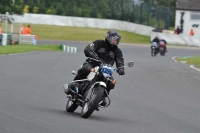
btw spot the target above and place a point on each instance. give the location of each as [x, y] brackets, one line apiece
[114, 40]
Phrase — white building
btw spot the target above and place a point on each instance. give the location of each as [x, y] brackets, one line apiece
[188, 16]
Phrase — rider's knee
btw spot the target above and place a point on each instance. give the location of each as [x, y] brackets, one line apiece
[84, 70]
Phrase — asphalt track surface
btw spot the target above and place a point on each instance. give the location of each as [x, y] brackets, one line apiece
[157, 95]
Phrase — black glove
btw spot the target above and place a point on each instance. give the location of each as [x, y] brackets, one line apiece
[121, 71]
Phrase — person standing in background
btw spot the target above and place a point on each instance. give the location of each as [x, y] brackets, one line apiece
[0, 30]
[28, 30]
[1, 37]
[178, 30]
[191, 32]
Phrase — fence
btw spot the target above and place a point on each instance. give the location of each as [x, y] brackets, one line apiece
[8, 24]
[140, 13]
[151, 15]
[11, 28]
[136, 11]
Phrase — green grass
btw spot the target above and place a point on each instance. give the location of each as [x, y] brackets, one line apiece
[82, 34]
[191, 60]
[52, 32]
[27, 48]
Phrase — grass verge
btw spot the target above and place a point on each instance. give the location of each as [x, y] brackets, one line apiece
[52, 32]
[9, 49]
[191, 60]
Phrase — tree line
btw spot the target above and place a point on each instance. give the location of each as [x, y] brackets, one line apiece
[125, 10]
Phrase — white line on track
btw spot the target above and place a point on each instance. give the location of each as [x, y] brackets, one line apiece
[174, 59]
[193, 67]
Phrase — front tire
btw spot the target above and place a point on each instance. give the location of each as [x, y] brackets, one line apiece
[89, 106]
[71, 106]
[154, 53]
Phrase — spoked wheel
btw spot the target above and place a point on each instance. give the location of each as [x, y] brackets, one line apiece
[90, 105]
[71, 106]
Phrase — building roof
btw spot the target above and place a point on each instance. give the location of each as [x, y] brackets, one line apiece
[192, 5]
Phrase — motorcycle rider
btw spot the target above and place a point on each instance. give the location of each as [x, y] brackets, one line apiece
[165, 42]
[154, 44]
[106, 50]
[156, 39]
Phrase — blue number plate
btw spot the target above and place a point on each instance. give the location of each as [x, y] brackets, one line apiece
[107, 70]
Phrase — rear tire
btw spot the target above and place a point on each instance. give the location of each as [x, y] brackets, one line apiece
[162, 52]
[71, 106]
[89, 106]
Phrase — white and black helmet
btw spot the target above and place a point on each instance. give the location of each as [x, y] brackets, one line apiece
[113, 37]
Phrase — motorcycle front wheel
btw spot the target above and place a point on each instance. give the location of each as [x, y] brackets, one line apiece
[90, 105]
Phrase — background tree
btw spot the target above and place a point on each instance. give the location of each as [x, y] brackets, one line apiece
[167, 3]
[11, 7]
[151, 12]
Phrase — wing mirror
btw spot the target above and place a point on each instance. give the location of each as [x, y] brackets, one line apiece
[130, 64]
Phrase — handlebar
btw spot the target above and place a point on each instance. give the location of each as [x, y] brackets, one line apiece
[115, 69]
[95, 59]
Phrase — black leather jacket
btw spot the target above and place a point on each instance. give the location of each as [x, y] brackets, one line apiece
[106, 52]
[156, 40]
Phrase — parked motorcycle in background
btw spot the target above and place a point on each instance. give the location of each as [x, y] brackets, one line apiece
[89, 93]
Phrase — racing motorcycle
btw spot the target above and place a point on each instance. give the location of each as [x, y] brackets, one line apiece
[89, 93]
[153, 49]
[162, 48]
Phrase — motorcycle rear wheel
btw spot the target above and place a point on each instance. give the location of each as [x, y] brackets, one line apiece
[89, 106]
